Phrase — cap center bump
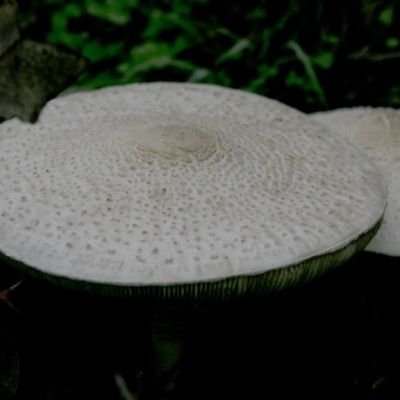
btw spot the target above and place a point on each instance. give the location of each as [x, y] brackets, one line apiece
[175, 142]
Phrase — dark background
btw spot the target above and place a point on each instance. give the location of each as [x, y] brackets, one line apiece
[336, 338]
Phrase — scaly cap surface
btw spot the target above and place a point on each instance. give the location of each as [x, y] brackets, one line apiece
[377, 132]
[163, 184]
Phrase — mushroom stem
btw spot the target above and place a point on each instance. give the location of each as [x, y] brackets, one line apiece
[168, 336]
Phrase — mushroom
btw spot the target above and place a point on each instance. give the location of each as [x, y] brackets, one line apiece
[191, 192]
[377, 132]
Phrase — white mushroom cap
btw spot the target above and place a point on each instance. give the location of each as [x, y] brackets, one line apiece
[377, 132]
[182, 187]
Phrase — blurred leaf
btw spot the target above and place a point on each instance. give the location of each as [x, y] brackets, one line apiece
[114, 11]
[181, 43]
[378, 382]
[9, 32]
[312, 76]
[327, 38]
[198, 75]
[294, 79]
[150, 50]
[392, 42]
[124, 391]
[94, 51]
[302, 82]
[104, 78]
[60, 34]
[386, 16]
[160, 21]
[155, 62]
[155, 25]
[234, 52]
[32, 73]
[395, 96]
[60, 19]
[72, 10]
[351, 95]
[145, 56]
[59, 22]
[152, 55]
[6, 292]
[264, 73]
[186, 25]
[74, 41]
[9, 368]
[323, 60]
[257, 13]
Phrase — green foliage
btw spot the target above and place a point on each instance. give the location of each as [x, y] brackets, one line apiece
[307, 53]
[386, 16]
